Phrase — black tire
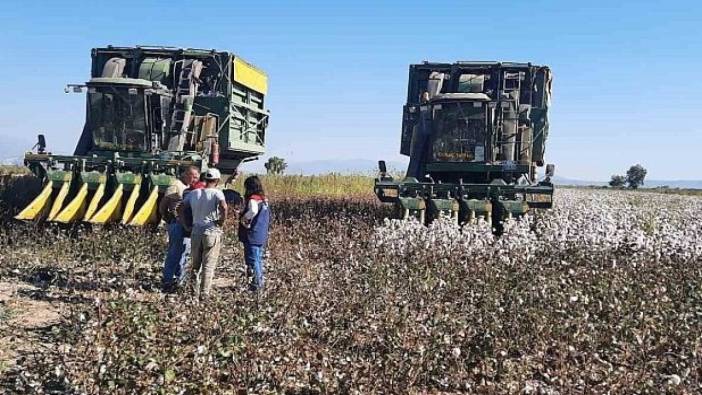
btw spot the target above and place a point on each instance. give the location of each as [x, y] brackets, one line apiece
[498, 214]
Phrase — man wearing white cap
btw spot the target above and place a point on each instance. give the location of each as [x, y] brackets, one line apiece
[209, 211]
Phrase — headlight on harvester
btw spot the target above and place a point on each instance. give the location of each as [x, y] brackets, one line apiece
[389, 192]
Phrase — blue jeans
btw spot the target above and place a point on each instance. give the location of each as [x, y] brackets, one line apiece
[253, 255]
[177, 255]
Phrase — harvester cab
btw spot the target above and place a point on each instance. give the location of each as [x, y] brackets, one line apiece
[475, 133]
[150, 112]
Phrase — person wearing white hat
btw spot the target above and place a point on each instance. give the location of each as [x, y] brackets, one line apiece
[209, 211]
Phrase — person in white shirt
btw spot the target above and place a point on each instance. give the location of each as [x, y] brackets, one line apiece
[209, 211]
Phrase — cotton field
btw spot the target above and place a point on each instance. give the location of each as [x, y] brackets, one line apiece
[601, 294]
[614, 226]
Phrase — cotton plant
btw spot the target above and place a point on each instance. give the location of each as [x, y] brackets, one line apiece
[599, 294]
[652, 226]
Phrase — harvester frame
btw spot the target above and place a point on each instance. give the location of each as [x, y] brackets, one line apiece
[475, 133]
[150, 112]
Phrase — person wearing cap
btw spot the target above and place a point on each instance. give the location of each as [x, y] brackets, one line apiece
[209, 211]
[178, 241]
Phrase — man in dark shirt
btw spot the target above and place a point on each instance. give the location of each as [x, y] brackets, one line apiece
[178, 246]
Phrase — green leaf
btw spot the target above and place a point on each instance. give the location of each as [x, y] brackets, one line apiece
[169, 375]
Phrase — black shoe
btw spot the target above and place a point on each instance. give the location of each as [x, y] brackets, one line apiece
[255, 288]
[169, 288]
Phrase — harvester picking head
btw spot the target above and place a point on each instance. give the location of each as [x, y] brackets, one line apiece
[151, 113]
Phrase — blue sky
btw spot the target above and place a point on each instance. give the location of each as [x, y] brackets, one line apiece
[626, 80]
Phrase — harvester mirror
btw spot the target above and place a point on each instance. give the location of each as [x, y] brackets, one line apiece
[550, 170]
[75, 88]
[41, 143]
[382, 167]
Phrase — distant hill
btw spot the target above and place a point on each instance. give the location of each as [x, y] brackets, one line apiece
[12, 161]
[10, 151]
[683, 184]
[343, 166]
[370, 167]
[575, 182]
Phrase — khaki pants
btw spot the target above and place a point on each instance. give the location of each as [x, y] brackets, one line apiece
[205, 253]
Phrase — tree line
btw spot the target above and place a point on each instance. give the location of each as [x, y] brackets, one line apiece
[275, 165]
[633, 179]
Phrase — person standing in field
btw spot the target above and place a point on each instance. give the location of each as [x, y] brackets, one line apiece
[178, 240]
[209, 211]
[185, 267]
[253, 229]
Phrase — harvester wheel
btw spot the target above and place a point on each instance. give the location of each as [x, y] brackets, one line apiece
[498, 217]
[431, 214]
[465, 214]
[400, 212]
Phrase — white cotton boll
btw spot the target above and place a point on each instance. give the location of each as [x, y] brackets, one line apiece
[673, 380]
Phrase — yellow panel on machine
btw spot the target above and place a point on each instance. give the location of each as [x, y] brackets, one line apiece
[248, 75]
[92, 198]
[50, 199]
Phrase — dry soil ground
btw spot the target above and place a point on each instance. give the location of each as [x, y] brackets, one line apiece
[601, 294]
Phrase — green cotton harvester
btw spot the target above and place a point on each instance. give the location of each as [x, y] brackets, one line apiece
[150, 112]
[475, 133]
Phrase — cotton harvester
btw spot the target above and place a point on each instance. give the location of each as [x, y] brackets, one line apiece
[150, 112]
[475, 133]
